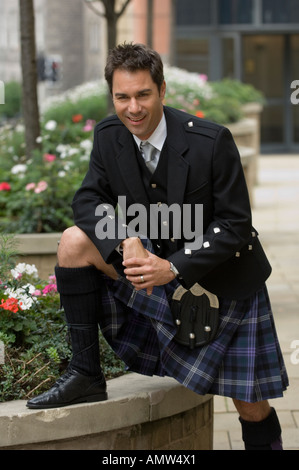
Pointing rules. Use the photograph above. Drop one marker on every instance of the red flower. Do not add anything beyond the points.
(5, 186)
(10, 304)
(200, 114)
(77, 118)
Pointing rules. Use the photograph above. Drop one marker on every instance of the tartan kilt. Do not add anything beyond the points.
(244, 361)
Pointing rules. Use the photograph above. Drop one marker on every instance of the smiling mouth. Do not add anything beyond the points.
(135, 119)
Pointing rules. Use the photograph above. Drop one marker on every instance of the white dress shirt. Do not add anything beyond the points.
(157, 138)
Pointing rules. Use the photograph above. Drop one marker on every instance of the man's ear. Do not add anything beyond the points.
(163, 90)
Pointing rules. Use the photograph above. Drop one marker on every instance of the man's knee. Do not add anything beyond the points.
(252, 411)
(72, 247)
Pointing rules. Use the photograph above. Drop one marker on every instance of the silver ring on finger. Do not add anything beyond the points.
(142, 278)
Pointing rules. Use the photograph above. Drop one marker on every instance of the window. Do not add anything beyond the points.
(193, 55)
(235, 11)
(278, 11)
(228, 57)
(193, 12)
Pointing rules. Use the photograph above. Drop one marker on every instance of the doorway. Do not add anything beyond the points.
(270, 62)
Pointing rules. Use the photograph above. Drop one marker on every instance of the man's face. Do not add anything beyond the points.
(137, 101)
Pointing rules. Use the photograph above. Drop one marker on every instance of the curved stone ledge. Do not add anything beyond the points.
(142, 413)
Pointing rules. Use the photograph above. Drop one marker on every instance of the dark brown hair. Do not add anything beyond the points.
(133, 57)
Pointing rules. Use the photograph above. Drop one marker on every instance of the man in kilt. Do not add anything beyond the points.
(118, 271)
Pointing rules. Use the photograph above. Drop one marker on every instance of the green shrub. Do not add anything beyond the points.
(13, 98)
(93, 107)
(242, 93)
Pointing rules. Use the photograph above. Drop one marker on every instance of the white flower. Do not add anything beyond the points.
(19, 128)
(24, 268)
(39, 139)
(20, 168)
(51, 125)
(61, 148)
(24, 295)
(72, 151)
(86, 144)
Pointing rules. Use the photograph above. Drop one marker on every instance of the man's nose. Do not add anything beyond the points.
(134, 106)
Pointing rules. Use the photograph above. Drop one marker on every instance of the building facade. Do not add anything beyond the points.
(255, 41)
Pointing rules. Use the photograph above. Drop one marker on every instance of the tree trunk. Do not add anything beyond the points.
(149, 25)
(29, 75)
(112, 16)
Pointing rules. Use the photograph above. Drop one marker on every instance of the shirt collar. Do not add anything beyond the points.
(158, 137)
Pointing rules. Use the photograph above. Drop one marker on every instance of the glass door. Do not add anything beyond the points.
(271, 63)
(263, 67)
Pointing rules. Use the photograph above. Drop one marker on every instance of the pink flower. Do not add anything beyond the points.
(50, 288)
(41, 186)
(89, 125)
(5, 186)
(37, 293)
(48, 157)
(30, 186)
(203, 77)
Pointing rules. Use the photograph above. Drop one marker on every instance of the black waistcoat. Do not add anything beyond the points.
(156, 188)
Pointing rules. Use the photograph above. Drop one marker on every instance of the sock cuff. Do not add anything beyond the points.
(76, 281)
(261, 432)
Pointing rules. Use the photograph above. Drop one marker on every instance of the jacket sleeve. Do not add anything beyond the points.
(230, 225)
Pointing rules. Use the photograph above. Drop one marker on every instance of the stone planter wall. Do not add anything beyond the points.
(39, 249)
(142, 413)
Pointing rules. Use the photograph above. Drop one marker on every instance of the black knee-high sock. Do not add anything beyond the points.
(79, 290)
(262, 435)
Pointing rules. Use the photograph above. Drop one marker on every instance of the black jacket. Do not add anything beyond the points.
(204, 167)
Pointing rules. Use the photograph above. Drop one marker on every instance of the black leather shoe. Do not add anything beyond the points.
(70, 389)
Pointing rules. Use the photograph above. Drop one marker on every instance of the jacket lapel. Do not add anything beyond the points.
(178, 167)
(129, 168)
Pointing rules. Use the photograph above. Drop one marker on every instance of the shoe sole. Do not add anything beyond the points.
(90, 399)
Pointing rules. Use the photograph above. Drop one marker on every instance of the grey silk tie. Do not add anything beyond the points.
(149, 154)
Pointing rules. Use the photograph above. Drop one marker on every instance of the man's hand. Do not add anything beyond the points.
(142, 268)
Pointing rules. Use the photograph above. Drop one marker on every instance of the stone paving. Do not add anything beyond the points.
(276, 218)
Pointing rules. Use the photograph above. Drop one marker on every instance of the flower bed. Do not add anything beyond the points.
(33, 330)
